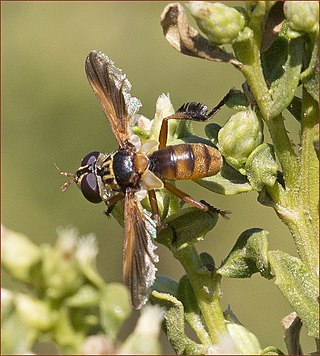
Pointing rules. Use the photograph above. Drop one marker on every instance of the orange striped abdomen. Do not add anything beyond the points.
(185, 161)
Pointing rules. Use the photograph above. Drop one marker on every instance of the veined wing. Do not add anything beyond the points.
(139, 257)
(113, 92)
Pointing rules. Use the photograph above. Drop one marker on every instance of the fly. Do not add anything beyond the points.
(131, 170)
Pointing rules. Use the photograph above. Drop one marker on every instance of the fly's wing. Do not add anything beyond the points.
(113, 92)
(139, 257)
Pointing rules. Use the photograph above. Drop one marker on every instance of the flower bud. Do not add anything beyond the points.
(246, 343)
(98, 345)
(7, 300)
(219, 22)
(261, 167)
(164, 108)
(61, 270)
(302, 15)
(19, 254)
(34, 312)
(145, 337)
(242, 133)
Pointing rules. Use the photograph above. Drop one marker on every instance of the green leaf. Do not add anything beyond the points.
(186, 227)
(248, 256)
(271, 350)
(35, 313)
(164, 284)
(284, 73)
(192, 311)
(174, 325)
(16, 337)
(227, 182)
(245, 342)
(299, 287)
(115, 308)
(207, 261)
(212, 131)
(261, 167)
(85, 297)
(65, 336)
(237, 101)
(283, 89)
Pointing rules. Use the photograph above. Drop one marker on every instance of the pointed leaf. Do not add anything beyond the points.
(164, 284)
(227, 182)
(192, 312)
(186, 227)
(174, 325)
(261, 167)
(283, 74)
(298, 286)
(248, 256)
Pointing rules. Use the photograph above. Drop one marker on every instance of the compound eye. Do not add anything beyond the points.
(90, 158)
(90, 189)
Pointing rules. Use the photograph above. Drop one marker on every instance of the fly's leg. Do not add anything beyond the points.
(201, 205)
(186, 198)
(112, 202)
(190, 111)
(154, 207)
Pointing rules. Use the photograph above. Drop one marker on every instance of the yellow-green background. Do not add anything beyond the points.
(50, 113)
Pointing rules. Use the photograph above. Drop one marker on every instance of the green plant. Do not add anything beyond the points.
(63, 299)
(274, 45)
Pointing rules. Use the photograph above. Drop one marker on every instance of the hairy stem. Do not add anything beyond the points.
(309, 177)
(207, 291)
(286, 156)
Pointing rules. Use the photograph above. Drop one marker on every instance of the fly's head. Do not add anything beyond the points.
(89, 178)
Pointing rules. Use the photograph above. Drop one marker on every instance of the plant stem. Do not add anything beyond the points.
(207, 291)
(309, 176)
(247, 51)
(286, 157)
(297, 205)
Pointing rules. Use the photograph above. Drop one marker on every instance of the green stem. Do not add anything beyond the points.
(309, 171)
(297, 204)
(307, 248)
(207, 291)
(286, 156)
(309, 177)
(247, 51)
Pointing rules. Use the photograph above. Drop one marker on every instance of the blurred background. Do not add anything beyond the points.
(49, 113)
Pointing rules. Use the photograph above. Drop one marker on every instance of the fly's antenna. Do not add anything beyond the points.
(67, 184)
